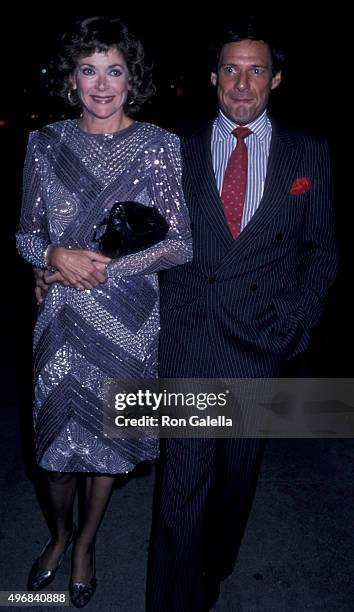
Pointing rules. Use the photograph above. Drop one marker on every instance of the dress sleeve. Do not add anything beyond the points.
(32, 238)
(163, 162)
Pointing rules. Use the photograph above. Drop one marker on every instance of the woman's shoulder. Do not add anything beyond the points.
(52, 131)
(156, 133)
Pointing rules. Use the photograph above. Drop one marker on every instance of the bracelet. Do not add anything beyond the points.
(46, 256)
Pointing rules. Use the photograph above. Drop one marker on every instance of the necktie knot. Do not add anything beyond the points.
(241, 132)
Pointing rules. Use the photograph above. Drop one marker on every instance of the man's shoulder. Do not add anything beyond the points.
(196, 136)
(298, 136)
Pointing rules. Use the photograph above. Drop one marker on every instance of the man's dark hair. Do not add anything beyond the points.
(248, 28)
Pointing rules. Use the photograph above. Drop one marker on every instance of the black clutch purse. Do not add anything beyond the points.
(130, 227)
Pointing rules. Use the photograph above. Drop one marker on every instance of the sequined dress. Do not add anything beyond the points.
(82, 338)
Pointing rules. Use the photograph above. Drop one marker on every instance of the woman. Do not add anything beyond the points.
(99, 318)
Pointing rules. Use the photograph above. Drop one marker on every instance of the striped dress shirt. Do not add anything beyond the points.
(223, 143)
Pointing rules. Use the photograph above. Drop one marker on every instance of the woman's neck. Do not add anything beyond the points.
(96, 125)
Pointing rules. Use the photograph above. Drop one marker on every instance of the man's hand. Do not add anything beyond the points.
(41, 285)
(43, 279)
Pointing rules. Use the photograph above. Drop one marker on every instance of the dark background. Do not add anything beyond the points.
(178, 43)
(315, 476)
(306, 489)
(313, 96)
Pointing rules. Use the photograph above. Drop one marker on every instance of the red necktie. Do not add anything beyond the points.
(235, 182)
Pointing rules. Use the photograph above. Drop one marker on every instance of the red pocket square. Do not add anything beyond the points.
(300, 185)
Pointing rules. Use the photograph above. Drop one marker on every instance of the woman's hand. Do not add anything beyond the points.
(78, 268)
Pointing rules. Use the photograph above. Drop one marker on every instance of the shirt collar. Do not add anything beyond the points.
(223, 126)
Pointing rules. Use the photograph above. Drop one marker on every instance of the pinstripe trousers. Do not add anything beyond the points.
(204, 495)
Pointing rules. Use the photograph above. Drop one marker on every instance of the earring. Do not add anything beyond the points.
(131, 101)
(70, 94)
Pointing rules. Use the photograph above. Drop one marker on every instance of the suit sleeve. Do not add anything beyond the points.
(319, 258)
(318, 261)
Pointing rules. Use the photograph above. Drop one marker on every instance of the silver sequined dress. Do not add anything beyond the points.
(82, 338)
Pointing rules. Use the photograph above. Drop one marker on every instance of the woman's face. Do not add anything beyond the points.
(102, 84)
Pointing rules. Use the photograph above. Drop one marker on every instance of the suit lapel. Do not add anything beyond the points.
(283, 160)
(200, 167)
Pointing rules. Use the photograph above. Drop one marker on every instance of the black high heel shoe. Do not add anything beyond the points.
(81, 592)
(40, 577)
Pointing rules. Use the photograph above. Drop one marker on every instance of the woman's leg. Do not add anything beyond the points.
(98, 490)
(60, 494)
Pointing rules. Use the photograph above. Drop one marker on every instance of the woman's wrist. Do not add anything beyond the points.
(47, 256)
(48, 253)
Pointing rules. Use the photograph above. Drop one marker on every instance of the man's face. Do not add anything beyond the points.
(244, 80)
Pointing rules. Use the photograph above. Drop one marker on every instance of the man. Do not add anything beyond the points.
(264, 258)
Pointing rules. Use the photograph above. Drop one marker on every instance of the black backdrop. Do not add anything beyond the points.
(314, 95)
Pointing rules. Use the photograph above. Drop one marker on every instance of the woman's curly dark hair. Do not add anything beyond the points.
(101, 34)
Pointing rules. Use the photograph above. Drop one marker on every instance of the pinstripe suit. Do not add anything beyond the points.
(242, 308)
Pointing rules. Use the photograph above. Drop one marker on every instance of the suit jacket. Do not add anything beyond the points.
(243, 307)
